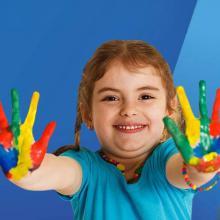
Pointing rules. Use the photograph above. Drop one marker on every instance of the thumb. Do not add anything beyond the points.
(39, 148)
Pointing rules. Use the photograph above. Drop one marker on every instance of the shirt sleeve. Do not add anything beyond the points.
(163, 152)
(161, 155)
(82, 157)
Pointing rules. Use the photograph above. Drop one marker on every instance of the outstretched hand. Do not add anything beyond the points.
(19, 153)
(200, 146)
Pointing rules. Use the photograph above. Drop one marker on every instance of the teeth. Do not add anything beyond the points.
(130, 127)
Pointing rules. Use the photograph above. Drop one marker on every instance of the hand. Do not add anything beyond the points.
(19, 153)
(200, 146)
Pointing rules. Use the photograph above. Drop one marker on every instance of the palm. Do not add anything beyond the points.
(19, 153)
(200, 146)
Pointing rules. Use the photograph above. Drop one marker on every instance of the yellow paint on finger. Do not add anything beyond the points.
(19, 172)
(25, 141)
(192, 123)
(210, 156)
(24, 160)
(194, 161)
(30, 119)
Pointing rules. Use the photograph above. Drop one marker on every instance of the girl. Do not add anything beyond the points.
(125, 92)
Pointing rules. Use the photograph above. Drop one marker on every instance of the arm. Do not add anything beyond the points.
(61, 173)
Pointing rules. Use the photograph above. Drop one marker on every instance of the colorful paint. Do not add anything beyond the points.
(200, 145)
(19, 153)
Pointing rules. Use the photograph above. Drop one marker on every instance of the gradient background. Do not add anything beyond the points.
(45, 44)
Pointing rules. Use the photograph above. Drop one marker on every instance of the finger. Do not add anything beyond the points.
(24, 159)
(39, 148)
(3, 119)
(18, 172)
(26, 132)
(6, 136)
(6, 139)
(44, 139)
(179, 138)
(205, 138)
(184, 102)
(215, 121)
(15, 115)
(202, 100)
(192, 123)
(8, 158)
(216, 107)
(30, 118)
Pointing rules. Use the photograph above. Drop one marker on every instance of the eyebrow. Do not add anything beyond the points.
(104, 89)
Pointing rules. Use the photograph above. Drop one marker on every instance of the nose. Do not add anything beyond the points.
(128, 109)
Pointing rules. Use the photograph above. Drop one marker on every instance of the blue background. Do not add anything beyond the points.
(44, 46)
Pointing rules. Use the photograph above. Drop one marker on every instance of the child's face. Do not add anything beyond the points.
(123, 98)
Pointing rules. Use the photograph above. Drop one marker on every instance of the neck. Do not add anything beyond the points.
(129, 163)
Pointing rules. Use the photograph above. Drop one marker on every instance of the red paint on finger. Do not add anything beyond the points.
(6, 135)
(39, 148)
(6, 138)
(208, 166)
(3, 119)
(8, 175)
(215, 121)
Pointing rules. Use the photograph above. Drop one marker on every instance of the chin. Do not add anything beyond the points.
(131, 150)
(131, 154)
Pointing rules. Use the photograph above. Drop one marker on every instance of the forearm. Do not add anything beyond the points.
(54, 173)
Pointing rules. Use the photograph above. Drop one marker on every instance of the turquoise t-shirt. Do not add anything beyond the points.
(104, 193)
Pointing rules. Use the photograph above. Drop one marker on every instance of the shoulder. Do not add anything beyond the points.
(82, 153)
(161, 154)
(166, 149)
(87, 158)
(166, 163)
(83, 156)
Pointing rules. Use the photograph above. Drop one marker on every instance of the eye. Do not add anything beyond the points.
(146, 97)
(110, 98)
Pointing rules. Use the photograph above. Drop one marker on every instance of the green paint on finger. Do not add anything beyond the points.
(205, 138)
(180, 139)
(15, 124)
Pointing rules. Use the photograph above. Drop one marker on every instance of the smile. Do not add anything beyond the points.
(130, 128)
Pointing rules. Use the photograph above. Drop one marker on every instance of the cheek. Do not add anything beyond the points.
(157, 118)
(102, 117)
(157, 113)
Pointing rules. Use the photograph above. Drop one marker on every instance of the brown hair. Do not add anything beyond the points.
(132, 54)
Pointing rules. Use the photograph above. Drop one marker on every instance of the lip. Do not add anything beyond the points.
(130, 131)
(130, 124)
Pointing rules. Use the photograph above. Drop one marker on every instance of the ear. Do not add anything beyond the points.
(174, 105)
